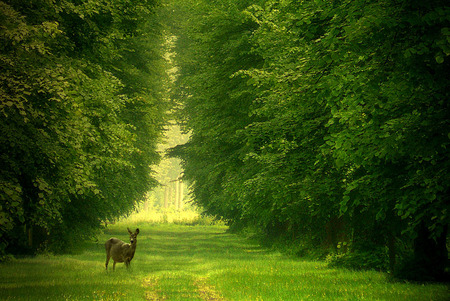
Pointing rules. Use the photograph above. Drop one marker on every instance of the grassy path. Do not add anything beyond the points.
(195, 263)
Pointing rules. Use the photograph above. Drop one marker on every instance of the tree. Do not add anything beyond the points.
(306, 113)
(82, 114)
(212, 102)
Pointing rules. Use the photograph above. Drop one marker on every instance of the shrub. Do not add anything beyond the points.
(360, 260)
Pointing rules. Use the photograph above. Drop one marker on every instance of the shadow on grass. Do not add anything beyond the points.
(189, 249)
(173, 258)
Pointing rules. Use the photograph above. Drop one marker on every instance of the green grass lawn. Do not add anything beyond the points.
(175, 262)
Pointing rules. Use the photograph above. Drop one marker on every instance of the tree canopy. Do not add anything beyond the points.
(82, 110)
(321, 125)
(321, 122)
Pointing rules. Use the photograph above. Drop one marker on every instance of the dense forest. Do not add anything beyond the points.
(83, 105)
(321, 126)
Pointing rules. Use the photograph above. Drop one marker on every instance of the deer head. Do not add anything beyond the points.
(133, 235)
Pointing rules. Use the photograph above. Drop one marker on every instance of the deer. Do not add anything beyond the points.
(121, 251)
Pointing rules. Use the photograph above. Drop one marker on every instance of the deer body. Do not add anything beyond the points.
(120, 251)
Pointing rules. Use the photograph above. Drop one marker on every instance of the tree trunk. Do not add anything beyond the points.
(180, 195)
(430, 255)
(392, 252)
(177, 195)
(29, 230)
(166, 197)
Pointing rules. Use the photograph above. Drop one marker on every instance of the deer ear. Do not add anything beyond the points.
(137, 231)
(129, 231)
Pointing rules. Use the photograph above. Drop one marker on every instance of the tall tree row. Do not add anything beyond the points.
(81, 113)
(323, 124)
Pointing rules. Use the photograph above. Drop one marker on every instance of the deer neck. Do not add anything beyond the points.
(132, 248)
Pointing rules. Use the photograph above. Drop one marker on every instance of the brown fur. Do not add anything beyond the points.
(120, 251)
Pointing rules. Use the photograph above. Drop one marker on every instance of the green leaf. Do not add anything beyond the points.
(345, 199)
(439, 59)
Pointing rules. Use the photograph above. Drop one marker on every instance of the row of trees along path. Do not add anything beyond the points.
(83, 104)
(321, 125)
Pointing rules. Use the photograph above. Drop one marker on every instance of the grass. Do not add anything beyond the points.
(165, 216)
(178, 262)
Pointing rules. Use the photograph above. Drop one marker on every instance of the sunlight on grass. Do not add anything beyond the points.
(187, 216)
(176, 262)
(162, 216)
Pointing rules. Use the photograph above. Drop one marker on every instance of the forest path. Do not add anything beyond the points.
(183, 258)
(195, 263)
(207, 263)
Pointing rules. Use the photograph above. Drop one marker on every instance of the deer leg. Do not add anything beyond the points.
(107, 260)
(108, 253)
(114, 265)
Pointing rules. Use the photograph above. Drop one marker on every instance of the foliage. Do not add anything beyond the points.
(357, 257)
(81, 115)
(168, 170)
(303, 112)
(365, 260)
(214, 102)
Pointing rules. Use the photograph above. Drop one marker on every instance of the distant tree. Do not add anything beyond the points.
(213, 103)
